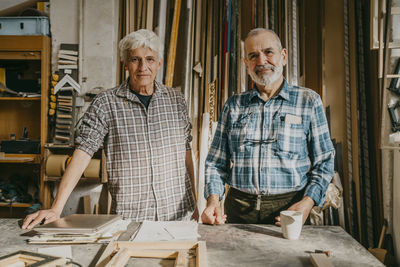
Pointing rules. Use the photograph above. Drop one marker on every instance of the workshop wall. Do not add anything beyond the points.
(93, 24)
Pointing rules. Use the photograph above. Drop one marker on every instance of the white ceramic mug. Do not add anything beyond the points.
(291, 224)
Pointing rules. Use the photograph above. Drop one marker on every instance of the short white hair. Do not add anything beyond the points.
(258, 31)
(140, 38)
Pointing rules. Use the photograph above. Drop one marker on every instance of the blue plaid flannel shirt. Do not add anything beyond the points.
(274, 147)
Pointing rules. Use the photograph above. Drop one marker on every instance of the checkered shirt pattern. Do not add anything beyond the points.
(145, 151)
(259, 149)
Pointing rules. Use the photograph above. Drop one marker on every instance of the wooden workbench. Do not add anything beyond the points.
(231, 245)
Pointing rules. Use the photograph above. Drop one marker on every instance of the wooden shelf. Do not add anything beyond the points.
(82, 179)
(16, 205)
(20, 158)
(21, 98)
(19, 55)
(17, 112)
(390, 147)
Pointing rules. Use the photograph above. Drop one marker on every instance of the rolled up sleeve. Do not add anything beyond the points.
(322, 155)
(93, 128)
(217, 164)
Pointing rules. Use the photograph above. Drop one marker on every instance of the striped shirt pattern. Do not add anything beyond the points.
(274, 147)
(145, 151)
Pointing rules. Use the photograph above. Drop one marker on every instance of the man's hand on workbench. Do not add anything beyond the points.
(213, 213)
(45, 216)
(305, 205)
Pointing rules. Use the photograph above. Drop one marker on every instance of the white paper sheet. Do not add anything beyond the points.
(151, 231)
(60, 251)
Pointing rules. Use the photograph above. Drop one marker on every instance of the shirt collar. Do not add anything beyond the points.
(124, 90)
(283, 92)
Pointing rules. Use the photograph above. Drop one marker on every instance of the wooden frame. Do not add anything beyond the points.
(32, 258)
(118, 253)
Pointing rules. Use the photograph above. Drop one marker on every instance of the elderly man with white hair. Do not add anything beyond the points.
(146, 132)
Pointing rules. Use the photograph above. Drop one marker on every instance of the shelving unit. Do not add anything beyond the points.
(30, 112)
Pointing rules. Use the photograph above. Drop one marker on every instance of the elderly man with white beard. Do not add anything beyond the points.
(272, 144)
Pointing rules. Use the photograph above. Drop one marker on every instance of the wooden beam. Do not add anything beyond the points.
(181, 259)
(169, 77)
(86, 205)
(201, 254)
(120, 259)
(320, 260)
(149, 16)
(157, 245)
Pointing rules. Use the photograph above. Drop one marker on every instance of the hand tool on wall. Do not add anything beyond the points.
(395, 82)
(394, 111)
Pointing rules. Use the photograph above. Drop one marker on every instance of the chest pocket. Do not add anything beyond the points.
(238, 131)
(292, 138)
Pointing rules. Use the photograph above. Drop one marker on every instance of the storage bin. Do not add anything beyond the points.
(24, 26)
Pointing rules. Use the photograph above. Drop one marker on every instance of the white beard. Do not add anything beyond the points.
(267, 78)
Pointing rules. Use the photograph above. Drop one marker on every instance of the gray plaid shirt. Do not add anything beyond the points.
(145, 151)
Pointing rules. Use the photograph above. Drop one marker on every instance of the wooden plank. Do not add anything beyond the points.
(22, 55)
(149, 16)
(164, 250)
(23, 42)
(133, 26)
(220, 54)
(104, 176)
(203, 57)
(86, 205)
(394, 45)
(44, 104)
(196, 82)
(395, 10)
(120, 259)
(188, 59)
(382, 21)
(374, 24)
(157, 245)
(393, 76)
(181, 259)
(396, 203)
(139, 13)
(239, 51)
(204, 136)
(152, 253)
(226, 78)
(201, 254)
(160, 30)
(144, 14)
(354, 120)
(320, 260)
(208, 60)
(169, 76)
(266, 17)
(96, 208)
(106, 255)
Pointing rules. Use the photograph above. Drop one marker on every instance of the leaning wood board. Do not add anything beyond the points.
(396, 203)
(169, 76)
(320, 260)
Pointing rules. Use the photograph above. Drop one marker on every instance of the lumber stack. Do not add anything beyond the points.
(65, 91)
